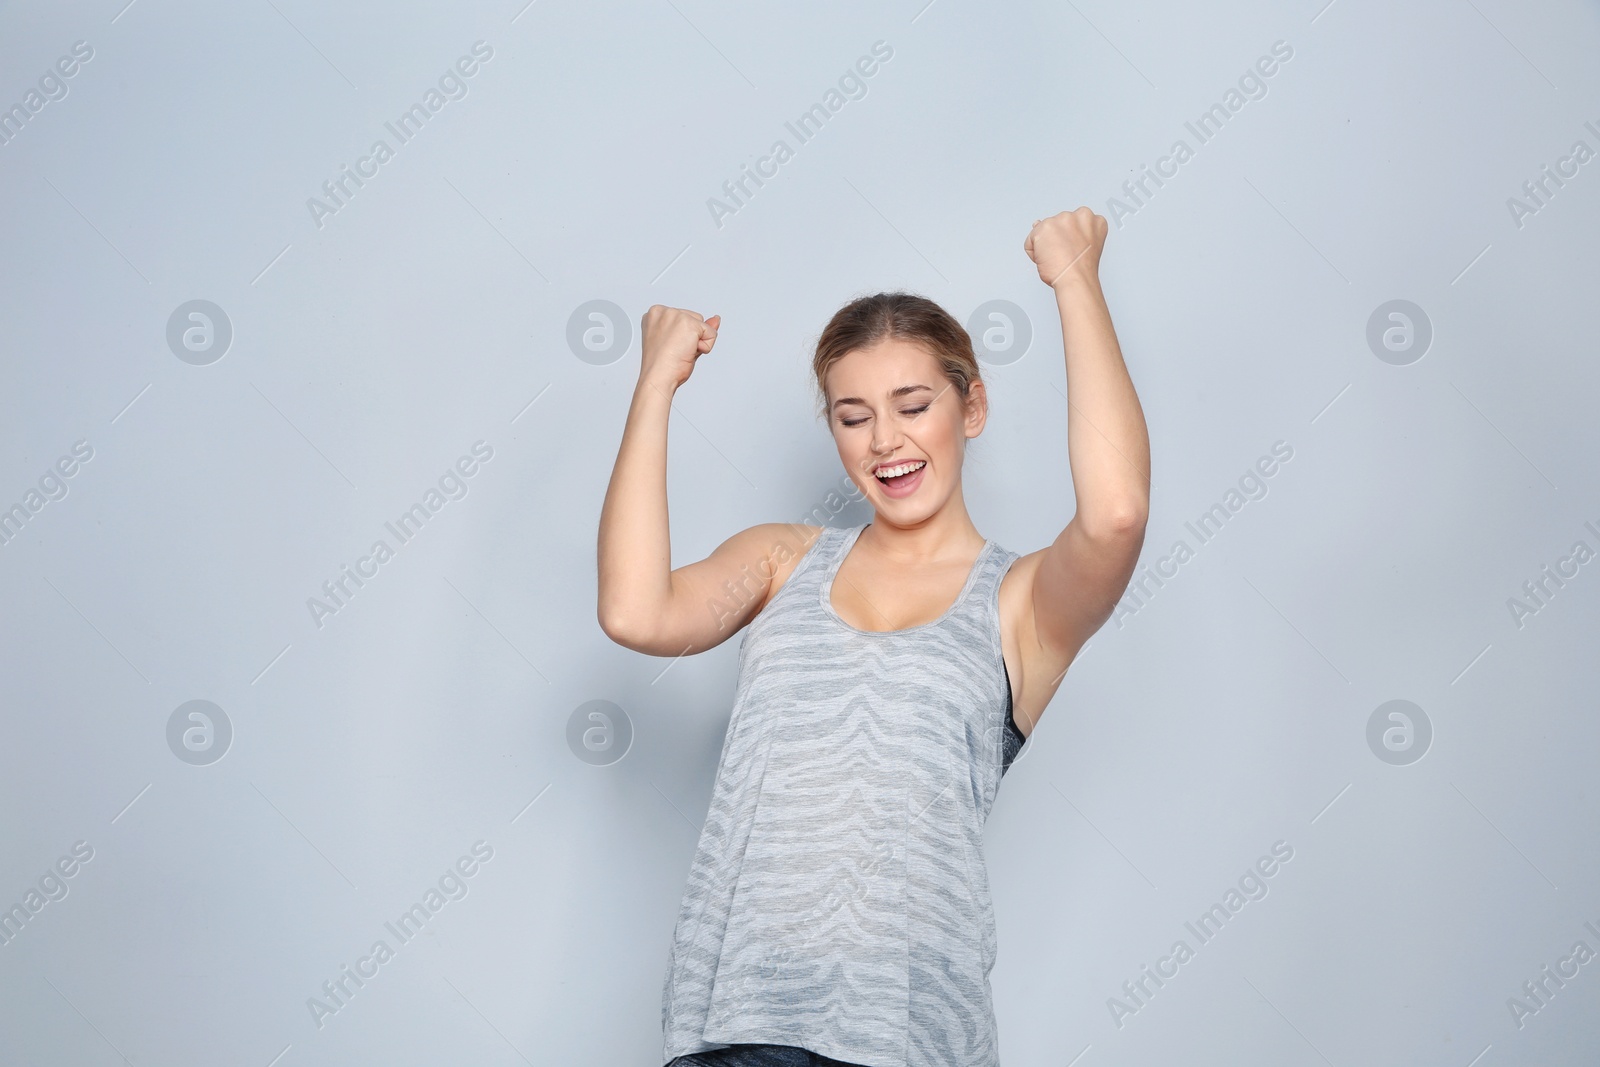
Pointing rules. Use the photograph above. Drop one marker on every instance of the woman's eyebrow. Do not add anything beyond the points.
(895, 395)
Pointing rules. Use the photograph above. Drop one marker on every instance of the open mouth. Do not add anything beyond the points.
(901, 475)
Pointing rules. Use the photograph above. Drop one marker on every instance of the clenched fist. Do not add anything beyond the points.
(671, 340)
(1067, 246)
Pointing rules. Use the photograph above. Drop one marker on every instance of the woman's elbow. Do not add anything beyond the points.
(621, 628)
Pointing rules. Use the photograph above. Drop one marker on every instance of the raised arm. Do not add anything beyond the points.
(1080, 577)
(643, 603)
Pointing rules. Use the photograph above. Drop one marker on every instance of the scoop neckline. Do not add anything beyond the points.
(825, 594)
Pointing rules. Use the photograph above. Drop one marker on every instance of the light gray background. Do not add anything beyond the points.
(1227, 713)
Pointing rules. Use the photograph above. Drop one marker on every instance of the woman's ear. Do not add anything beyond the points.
(977, 413)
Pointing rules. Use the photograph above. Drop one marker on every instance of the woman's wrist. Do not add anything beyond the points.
(1074, 282)
(650, 388)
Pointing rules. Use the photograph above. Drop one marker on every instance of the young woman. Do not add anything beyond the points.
(837, 911)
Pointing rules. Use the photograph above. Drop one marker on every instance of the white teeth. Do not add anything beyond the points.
(899, 469)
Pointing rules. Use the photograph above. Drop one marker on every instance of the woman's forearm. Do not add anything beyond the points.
(635, 549)
(1107, 442)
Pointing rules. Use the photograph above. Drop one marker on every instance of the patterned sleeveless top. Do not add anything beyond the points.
(839, 897)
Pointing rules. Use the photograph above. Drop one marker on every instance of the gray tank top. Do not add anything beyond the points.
(839, 898)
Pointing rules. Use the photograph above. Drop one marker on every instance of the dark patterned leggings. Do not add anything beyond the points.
(758, 1056)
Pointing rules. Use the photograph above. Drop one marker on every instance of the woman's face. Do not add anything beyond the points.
(891, 404)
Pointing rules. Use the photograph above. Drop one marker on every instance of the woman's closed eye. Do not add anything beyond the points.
(909, 412)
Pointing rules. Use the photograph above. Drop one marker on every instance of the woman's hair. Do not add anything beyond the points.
(866, 321)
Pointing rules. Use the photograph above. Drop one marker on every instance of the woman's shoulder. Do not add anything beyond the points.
(777, 544)
(782, 546)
